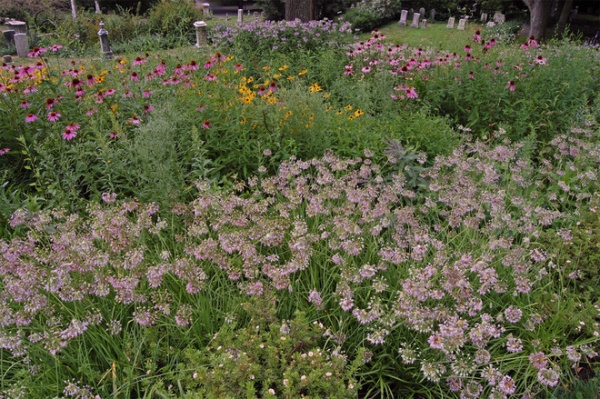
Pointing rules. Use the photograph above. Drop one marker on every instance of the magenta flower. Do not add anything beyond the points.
(36, 51)
(31, 118)
(55, 47)
(69, 134)
(134, 77)
(50, 102)
(540, 60)
(349, 70)
(134, 120)
(366, 69)
(239, 67)
(262, 90)
(25, 104)
(53, 116)
(139, 61)
(148, 108)
(471, 75)
(468, 49)
(200, 107)
(206, 124)
(4, 151)
(477, 37)
(273, 87)
(208, 64)
(210, 77)
(113, 135)
(146, 93)
(91, 111)
(192, 65)
(511, 85)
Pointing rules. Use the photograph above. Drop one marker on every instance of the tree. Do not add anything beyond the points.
(539, 14)
(301, 9)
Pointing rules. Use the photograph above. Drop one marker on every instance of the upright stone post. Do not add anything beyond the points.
(415, 20)
(422, 11)
(201, 34)
(403, 15)
(240, 15)
(450, 23)
(424, 24)
(104, 43)
(461, 24)
(432, 15)
(9, 35)
(484, 17)
(21, 44)
(206, 9)
(97, 6)
(17, 26)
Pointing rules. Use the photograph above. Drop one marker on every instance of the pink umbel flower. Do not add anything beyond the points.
(53, 116)
(31, 118)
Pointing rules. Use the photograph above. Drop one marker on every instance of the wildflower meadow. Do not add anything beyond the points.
(298, 211)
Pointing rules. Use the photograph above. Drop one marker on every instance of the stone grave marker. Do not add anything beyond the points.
(17, 26)
(9, 35)
(462, 24)
(450, 23)
(484, 17)
(432, 14)
(403, 15)
(424, 23)
(201, 34)
(22, 44)
(415, 20)
(422, 11)
(240, 18)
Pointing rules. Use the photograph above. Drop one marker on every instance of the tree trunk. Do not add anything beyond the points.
(539, 13)
(301, 9)
(564, 17)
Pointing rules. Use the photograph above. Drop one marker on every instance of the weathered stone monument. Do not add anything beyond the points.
(432, 14)
(403, 15)
(22, 44)
(206, 9)
(415, 20)
(201, 33)
(484, 17)
(462, 23)
(105, 49)
(240, 18)
(422, 11)
(450, 23)
(499, 18)
(9, 36)
(424, 24)
(17, 26)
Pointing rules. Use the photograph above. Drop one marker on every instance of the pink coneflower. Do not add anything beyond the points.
(477, 37)
(366, 69)
(411, 92)
(511, 85)
(53, 116)
(25, 104)
(55, 47)
(192, 65)
(262, 90)
(127, 94)
(4, 151)
(200, 107)
(69, 134)
(206, 124)
(90, 80)
(91, 111)
(146, 94)
(79, 94)
(208, 64)
(36, 51)
(50, 102)
(540, 60)
(134, 77)
(210, 77)
(468, 49)
(75, 83)
(532, 42)
(273, 87)
(178, 69)
(73, 126)
(113, 135)
(110, 92)
(31, 118)
(139, 61)
(349, 70)
(471, 75)
(134, 120)
(148, 108)
(239, 67)
(524, 46)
